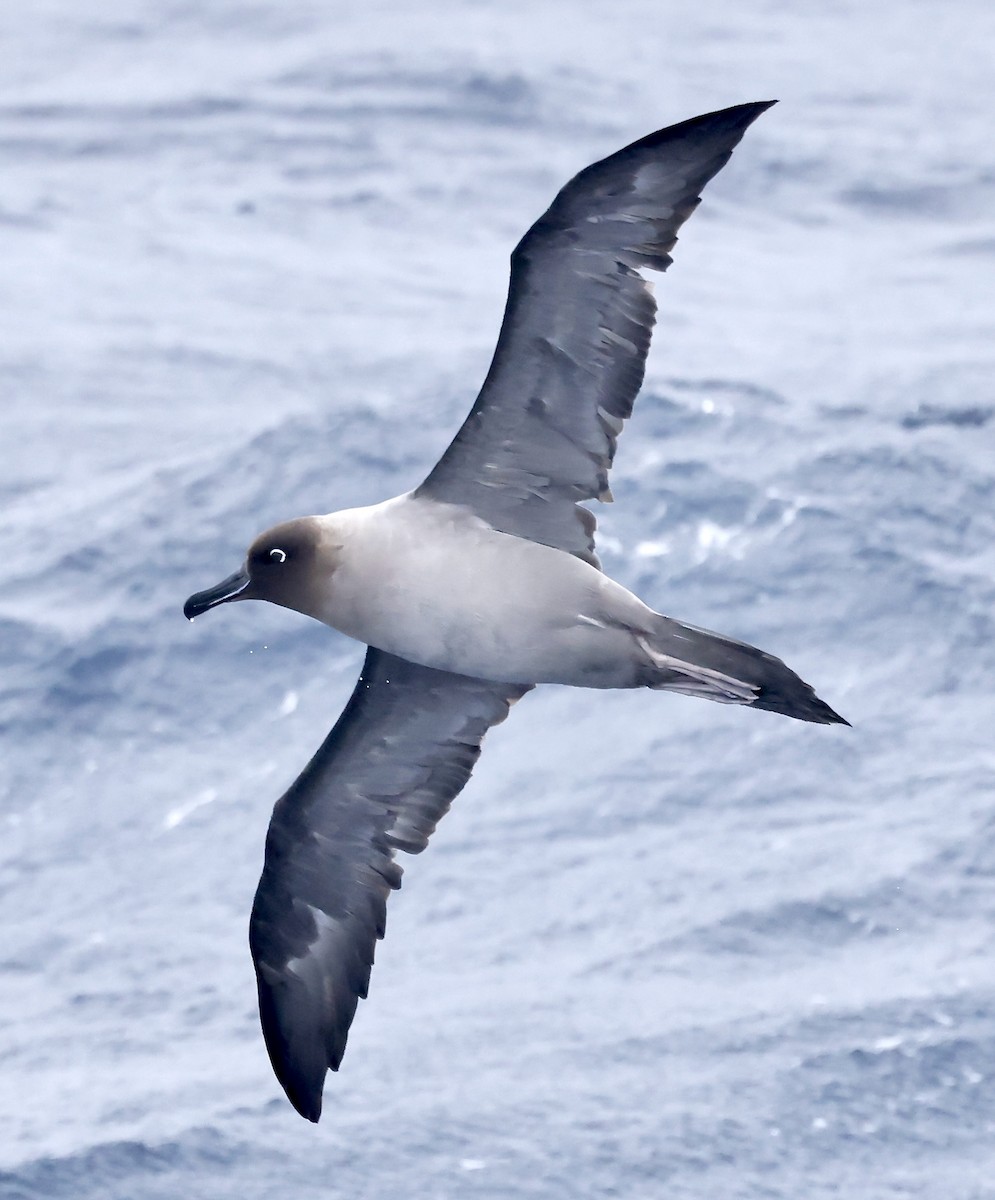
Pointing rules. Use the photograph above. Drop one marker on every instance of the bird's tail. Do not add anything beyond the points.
(697, 662)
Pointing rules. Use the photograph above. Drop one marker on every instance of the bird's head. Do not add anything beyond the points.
(281, 566)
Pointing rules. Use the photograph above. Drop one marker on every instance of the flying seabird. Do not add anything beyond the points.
(478, 585)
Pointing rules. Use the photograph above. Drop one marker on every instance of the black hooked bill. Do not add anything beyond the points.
(228, 589)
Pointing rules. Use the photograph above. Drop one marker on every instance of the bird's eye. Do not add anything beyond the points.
(278, 555)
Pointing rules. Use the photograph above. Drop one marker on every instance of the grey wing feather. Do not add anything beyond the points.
(386, 774)
(572, 349)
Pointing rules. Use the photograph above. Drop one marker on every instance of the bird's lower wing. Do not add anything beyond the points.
(386, 774)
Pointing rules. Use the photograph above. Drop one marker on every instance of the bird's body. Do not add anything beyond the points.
(478, 585)
(454, 594)
(434, 584)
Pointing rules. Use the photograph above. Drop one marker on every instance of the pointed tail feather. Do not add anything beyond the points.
(701, 663)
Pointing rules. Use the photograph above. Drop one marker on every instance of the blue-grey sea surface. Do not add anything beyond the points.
(254, 258)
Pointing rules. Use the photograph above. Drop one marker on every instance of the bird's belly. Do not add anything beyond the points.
(491, 606)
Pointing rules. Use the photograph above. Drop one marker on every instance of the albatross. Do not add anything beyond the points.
(478, 585)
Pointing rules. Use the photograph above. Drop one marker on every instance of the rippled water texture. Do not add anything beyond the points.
(254, 260)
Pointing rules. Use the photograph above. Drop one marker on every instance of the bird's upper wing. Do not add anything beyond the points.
(383, 778)
(572, 349)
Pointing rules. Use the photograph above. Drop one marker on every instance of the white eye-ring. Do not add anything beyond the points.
(278, 555)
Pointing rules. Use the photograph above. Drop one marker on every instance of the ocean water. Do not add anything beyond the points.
(254, 261)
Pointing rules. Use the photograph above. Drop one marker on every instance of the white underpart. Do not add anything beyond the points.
(435, 584)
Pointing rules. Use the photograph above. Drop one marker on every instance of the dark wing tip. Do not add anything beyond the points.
(299, 1067)
(308, 1104)
(735, 120)
(630, 205)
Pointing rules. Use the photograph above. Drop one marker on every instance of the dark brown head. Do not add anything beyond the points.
(282, 566)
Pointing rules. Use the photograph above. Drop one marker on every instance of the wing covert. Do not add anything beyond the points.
(386, 774)
(571, 353)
